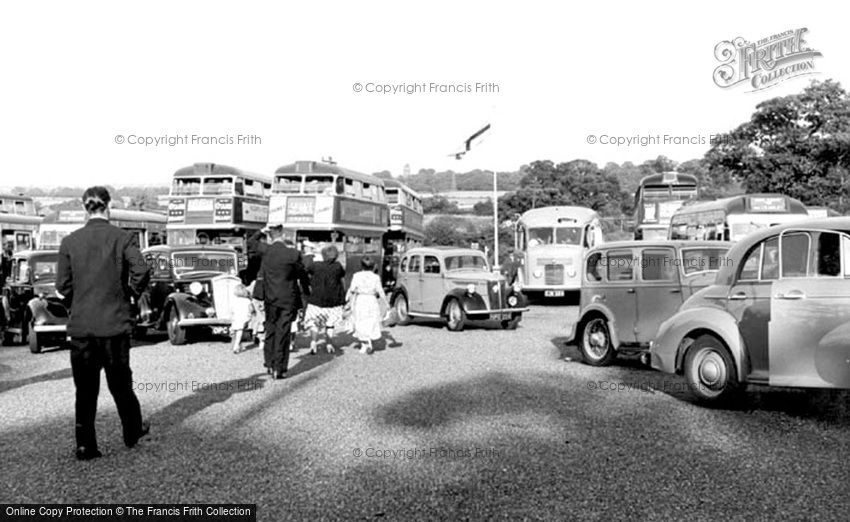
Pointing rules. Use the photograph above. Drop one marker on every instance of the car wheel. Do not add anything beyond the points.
(32, 339)
(455, 316)
(176, 334)
(710, 370)
(401, 309)
(596, 346)
(512, 323)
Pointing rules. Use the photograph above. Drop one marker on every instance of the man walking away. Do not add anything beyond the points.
(100, 268)
(281, 272)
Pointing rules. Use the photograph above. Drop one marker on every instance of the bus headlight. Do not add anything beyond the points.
(571, 273)
(538, 273)
(196, 288)
(470, 288)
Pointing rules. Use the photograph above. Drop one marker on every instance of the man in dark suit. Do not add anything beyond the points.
(281, 272)
(100, 268)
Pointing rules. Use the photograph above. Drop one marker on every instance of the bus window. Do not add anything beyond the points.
(393, 196)
(349, 188)
(539, 236)
(186, 186)
(218, 185)
(368, 193)
(254, 188)
(318, 185)
(568, 236)
(288, 184)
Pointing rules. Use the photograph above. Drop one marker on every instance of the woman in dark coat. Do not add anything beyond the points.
(327, 297)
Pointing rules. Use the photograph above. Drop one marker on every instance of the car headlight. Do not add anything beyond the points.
(512, 300)
(516, 287)
(196, 288)
(538, 273)
(470, 288)
(210, 312)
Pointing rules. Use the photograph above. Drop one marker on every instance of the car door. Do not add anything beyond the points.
(413, 282)
(810, 311)
(620, 295)
(433, 289)
(748, 302)
(659, 292)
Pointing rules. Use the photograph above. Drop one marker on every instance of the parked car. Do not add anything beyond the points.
(32, 311)
(191, 287)
(456, 285)
(778, 314)
(630, 287)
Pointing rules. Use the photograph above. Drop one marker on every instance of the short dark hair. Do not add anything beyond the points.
(96, 199)
(330, 253)
(367, 264)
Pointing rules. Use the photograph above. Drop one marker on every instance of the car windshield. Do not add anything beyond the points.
(703, 259)
(466, 262)
(554, 236)
(204, 262)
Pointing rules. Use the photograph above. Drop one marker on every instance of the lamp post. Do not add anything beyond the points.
(467, 146)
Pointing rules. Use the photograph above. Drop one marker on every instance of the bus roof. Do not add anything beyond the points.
(739, 205)
(19, 219)
(668, 178)
(118, 214)
(551, 215)
(215, 169)
(9, 195)
(393, 183)
(319, 167)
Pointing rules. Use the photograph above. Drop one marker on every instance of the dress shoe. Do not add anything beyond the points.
(145, 429)
(278, 375)
(84, 453)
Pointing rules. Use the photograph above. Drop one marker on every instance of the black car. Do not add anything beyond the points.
(32, 311)
(191, 287)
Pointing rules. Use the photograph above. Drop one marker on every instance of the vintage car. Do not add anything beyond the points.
(191, 287)
(630, 287)
(778, 314)
(454, 284)
(32, 311)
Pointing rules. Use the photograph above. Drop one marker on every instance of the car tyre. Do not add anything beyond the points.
(32, 340)
(595, 342)
(402, 310)
(176, 334)
(710, 371)
(455, 316)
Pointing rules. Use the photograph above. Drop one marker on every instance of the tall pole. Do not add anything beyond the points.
(495, 223)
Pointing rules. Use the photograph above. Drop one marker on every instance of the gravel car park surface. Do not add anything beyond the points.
(484, 423)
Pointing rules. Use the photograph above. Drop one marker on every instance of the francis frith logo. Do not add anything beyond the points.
(765, 63)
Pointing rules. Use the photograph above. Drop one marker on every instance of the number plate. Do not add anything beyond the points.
(553, 293)
(503, 317)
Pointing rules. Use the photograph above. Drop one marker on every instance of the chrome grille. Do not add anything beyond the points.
(554, 274)
(223, 295)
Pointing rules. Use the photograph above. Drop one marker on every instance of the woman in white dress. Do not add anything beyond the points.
(366, 297)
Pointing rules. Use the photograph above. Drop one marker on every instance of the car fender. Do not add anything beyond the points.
(397, 291)
(45, 311)
(471, 303)
(597, 309)
(676, 334)
(179, 301)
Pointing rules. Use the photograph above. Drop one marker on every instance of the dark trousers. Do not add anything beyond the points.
(88, 356)
(278, 332)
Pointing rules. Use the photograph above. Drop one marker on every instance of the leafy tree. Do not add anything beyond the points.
(483, 208)
(797, 145)
(439, 205)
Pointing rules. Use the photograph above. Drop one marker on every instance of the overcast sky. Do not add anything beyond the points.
(76, 77)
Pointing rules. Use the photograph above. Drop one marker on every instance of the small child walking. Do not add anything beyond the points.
(243, 311)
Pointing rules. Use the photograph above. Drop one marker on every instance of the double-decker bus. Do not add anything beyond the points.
(216, 204)
(551, 242)
(730, 219)
(658, 197)
(406, 226)
(321, 203)
(18, 222)
(149, 227)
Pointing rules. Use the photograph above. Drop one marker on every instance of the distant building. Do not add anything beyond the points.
(466, 199)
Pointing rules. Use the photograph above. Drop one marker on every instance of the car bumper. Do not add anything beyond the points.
(203, 321)
(498, 311)
(49, 328)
